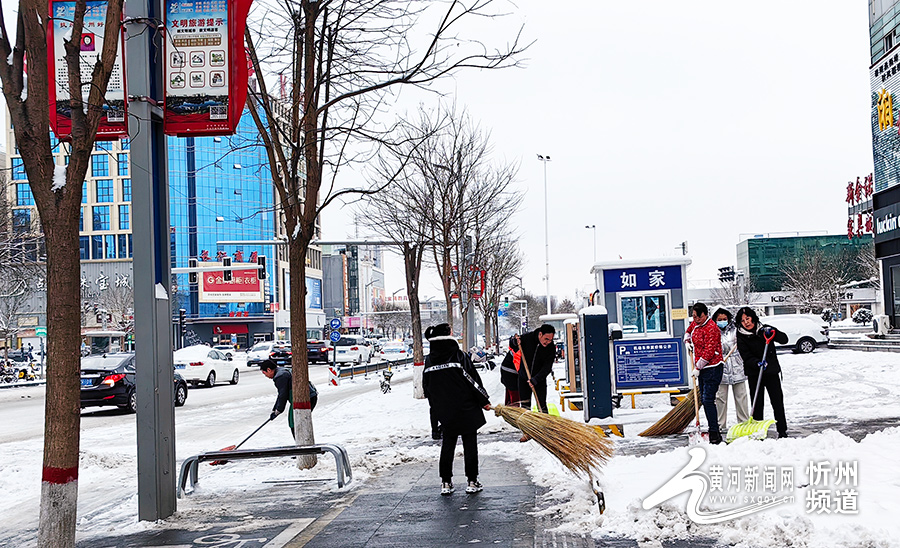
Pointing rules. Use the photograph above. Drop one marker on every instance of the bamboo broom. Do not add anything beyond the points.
(676, 420)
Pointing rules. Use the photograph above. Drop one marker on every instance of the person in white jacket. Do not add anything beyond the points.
(733, 374)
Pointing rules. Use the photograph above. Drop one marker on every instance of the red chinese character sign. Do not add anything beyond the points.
(244, 287)
(859, 202)
(113, 124)
(206, 66)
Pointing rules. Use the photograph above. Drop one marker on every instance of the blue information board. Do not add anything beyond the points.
(649, 365)
(642, 279)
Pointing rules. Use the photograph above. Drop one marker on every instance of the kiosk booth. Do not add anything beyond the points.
(647, 299)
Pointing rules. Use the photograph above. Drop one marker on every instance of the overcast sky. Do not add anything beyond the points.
(673, 121)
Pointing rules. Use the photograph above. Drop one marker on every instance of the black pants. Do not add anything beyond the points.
(709, 380)
(540, 388)
(772, 384)
(470, 455)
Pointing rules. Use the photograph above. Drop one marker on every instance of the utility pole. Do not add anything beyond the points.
(544, 160)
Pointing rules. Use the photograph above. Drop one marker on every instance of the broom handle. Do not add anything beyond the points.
(694, 380)
(528, 372)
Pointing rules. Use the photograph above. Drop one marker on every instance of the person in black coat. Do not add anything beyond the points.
(457, 397)
(509, 372)
(750, 344)
(539, 353)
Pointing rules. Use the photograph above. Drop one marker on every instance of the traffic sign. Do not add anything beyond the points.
(502, 312)
(335, 335)
(335, 323)
(40, 331)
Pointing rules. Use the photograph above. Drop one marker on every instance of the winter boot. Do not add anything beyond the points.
(474, 486)
(446, 488)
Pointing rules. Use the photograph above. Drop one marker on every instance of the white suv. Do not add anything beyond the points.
(354, 349)
(804, 334)
(258, 353)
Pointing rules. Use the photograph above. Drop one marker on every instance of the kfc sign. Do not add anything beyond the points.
(244, 286)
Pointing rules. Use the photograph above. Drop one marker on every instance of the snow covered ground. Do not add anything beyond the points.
(841, 408)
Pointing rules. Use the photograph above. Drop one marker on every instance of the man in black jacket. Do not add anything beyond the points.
(538, 354)
(284, 382)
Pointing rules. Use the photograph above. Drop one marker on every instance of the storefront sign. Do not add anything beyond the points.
(313, 293)
(206, 66)
(648, 365)
(113, 123)
(245, 286)
(887, 225)
(642, 279)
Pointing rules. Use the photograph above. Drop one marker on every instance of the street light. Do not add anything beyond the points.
(544, 160)
(594, 228)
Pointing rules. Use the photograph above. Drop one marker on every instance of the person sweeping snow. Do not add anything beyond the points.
(456, 396)
(751, 341)
(732, 374)
(707, 342)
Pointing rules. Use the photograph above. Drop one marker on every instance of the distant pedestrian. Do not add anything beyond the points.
(706, 339)
(509, 372)
(732, 374)
(457, 397)
(284, 381)
(751, 342)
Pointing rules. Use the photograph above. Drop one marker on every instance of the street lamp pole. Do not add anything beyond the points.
(594, 228)
(544, 160)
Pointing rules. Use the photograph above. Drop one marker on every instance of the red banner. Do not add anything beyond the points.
(114, 123)
(244, 286)
(206, 66)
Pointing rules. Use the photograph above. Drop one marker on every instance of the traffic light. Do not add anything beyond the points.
(181, 319)
(261, 261)
(226, 262)
(192, 276)
(505, 302)
(726, 274)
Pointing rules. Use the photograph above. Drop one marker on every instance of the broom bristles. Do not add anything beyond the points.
(577, 446)
(676, 420)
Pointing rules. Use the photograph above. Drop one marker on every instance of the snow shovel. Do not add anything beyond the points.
(233, 447)
(751, 427)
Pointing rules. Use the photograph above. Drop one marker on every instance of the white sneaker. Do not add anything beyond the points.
(474, 487)
(446, 488)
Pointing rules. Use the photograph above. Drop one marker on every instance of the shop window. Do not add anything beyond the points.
(644, 314)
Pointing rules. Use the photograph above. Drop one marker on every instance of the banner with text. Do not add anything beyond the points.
(244, 287)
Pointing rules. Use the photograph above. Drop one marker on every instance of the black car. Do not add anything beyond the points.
(108, 379)
(281, 354)
(317, 351)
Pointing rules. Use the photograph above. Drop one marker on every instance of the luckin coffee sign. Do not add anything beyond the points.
(887, 222)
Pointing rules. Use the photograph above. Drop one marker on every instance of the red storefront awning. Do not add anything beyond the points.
(229, 328)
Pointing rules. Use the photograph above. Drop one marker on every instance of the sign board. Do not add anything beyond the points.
(245, 286)
(335, 336)
(679, 313)
(313, 293)
(502, 312)
(113, 123)
(206, 66)
(649, 365)
(40, 331)
(335, 323)
(642, 279)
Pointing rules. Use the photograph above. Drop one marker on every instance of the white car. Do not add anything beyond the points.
(227, 349)
(202, 364)
(354, 349)
(395, 351)
(258, 353)
(804, 334)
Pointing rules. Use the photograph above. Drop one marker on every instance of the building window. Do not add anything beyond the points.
(123, 164)
(23, 194)
(21, 220)
(110, 247)
(18, 170)
(100, 165)
(130, 248)
(123, 248)
(124, 217)
(888, 41)
(84, 192)
(104, 191)
(81, 220)
(125, 144)
(101, 217)
(85, 246)
(102, 146)
(96, 247)
(126, 190)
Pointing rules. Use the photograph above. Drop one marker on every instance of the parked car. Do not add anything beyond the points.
(318, 351)
(804, 334)
(353, 348)
(202, 364)
(228, 349)
(258, 353)
(395, 351)
(108, 379)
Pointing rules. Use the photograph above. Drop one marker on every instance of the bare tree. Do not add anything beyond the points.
(735, 293)
(503, 261)
(565, 307)
(118, 302)
(57, 194)
(815, 281)
(343, 60)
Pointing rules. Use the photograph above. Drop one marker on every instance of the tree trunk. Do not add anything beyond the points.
(62, 409)
(303, 426)
(412, 263)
